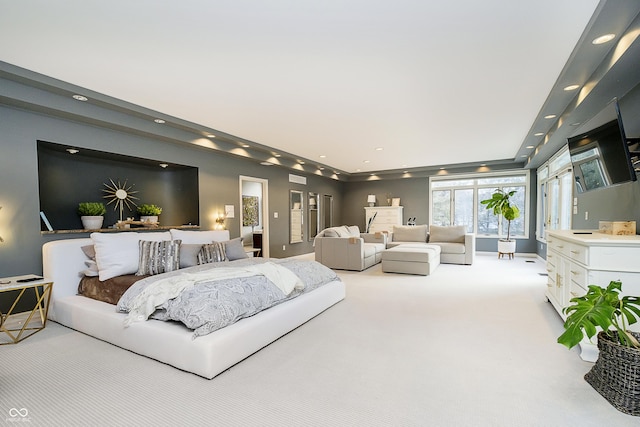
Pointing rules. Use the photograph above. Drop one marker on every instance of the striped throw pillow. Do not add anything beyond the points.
(158, 257)
(212, 252)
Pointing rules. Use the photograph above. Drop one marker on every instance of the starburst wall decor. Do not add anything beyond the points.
(120, 195)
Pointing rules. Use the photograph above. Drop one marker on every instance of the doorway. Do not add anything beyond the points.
(254, 214)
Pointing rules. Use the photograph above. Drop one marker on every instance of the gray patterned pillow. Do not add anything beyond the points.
(158, 257)
(212, 252)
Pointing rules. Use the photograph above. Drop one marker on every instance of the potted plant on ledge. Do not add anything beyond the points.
(615, 374)
(91, 214)
(149, 212)
(500, 204)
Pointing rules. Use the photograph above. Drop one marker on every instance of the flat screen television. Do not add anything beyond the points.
(599, 151)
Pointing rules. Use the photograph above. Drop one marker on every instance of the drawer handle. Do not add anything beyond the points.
(549, 256)
(575, 273)
(560, 246)
(575, 252)
(573, 294)
(549, 270)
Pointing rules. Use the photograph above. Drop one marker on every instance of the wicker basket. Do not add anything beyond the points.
(616, 374)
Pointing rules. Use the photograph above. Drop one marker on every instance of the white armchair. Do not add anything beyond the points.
(345, 248)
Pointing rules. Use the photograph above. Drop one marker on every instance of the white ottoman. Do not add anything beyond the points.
(411, 258)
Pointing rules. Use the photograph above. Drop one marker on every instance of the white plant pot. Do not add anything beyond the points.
(149, 218)
(92, 222)
(506, 246)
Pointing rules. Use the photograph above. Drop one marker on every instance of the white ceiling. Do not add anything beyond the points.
(429, 82)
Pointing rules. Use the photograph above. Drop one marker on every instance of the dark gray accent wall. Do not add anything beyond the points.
(21, 251)
(67, 179)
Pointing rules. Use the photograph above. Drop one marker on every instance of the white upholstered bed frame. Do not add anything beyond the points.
(171, 342)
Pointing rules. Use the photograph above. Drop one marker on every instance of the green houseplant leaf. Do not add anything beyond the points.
(601, 308)
(500, 204)
(149, 209)
(91, 209)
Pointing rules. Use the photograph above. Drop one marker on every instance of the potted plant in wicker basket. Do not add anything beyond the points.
(616, 373)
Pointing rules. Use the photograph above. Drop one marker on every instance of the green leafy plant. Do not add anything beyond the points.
(601, 308)
(500, 203)
(91, 209)
(149, 210)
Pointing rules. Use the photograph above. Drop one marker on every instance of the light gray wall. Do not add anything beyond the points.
(617, 203)
(20, 252)
(414, 197)
(620, 202)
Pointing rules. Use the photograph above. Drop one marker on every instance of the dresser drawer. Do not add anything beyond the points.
(576, 290)
(578, 275)
(578, 253)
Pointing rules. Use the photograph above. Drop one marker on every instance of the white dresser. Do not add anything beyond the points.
(386, 218)
(576, 260)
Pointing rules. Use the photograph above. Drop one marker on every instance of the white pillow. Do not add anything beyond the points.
(155, 236)
(116, 254)
(201, 237)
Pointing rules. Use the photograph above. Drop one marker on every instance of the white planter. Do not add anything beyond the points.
(506, 246)
(149, 218)
(92, 222)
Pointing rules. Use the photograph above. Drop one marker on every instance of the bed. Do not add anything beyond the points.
(171, 342)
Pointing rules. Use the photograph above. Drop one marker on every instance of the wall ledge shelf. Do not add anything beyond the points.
(116, 230)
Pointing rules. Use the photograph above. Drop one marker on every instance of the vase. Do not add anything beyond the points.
(90, 222)
(507, 247)
(149, 218)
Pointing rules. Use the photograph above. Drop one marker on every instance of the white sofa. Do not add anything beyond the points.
(457, 246)
(345, 248)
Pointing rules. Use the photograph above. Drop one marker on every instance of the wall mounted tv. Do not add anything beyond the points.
(600, 152)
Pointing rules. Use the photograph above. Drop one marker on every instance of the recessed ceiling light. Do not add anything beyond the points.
(301, 162)
(277, 155)
(72, 151)
(160, 121)
(245, 145)
(483, 164)
(321, 168)
(441, 169)
(538, 134)
(163, 165)
(523, 155)
(571, 87)
(550, 116)
(337, 173)
(211, 135)
(80, 98)
(358, 170)
(366, 161)
(266, 164)
(322, 156)
(603, 39)
(379, 149)
(405, 171)
(529, 147)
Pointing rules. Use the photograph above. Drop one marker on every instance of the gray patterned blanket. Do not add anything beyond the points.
(211, 302)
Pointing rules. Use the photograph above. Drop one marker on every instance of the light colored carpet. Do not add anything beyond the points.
(466, 346)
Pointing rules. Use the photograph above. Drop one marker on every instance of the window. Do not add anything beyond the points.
(455, 200)
(555, 193)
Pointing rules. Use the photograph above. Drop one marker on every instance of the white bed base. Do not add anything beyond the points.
(171, 342)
